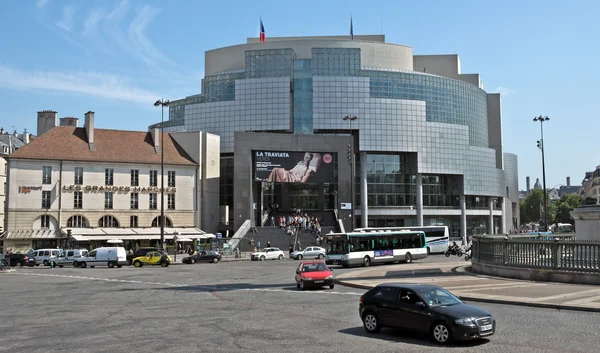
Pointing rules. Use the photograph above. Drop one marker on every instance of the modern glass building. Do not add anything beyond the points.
(388, 138)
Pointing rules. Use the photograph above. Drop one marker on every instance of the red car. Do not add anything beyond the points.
(314, 274)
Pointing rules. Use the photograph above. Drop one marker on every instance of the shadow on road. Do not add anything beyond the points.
(226, 287)
(409, 337)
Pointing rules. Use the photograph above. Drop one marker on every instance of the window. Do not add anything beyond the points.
(387, 293)
(171, 201)
(171, 178)
(133, 221)
(78, 199)
(134, 200)
(78, 175)
(108, 200)
(46, 175)
(135, 177)
(108, 222)
(153, 203)
(108, 176)
(92, 254)
(46, 195)
(153, 178)
(156, 223)
(45, 221)
(78, 222)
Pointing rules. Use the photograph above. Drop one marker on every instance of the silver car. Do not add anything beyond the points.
(312, 252)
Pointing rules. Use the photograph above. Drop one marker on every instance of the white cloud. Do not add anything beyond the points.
(146, 50)
(41, 3)
(90, 23)
(99, 85)
(505, 91)
(66, 22)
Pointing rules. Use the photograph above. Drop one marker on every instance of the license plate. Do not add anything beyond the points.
(319, 281)
(485, 328)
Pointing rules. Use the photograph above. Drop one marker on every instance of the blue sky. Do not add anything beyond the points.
(116, 57)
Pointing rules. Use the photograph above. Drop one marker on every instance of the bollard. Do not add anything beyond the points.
(51, 264)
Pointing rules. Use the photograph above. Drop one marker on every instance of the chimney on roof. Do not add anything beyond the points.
(25, 137)
(568, 181)
(155, 132)
(46, 120)
(69, 121)
(89, 129)
(528, 183)
(1, 131)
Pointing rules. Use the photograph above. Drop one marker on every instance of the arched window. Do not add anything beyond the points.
(108, 222)
(156, 222)
(78, 221)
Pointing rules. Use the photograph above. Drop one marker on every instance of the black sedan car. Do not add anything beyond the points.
(203, 256)
(19, 260)
(425, 308)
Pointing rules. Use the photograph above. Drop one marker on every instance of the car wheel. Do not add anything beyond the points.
(61, 266)
(119, 266)
(92, 266)
(193, 261)
(111, 265)
(164, 264)
(367, 261)
(215, 260)
(137, 264)
(371, 322)
(440, 332)
(262, 258)
(280, 257)
(19, 264)
(82, 265)
(302, 285)
(75, 264)
(428, 251)
(45, 262)
(299, 257)
(331, 286)
(128, 262)
(321, 256)
(408, 258)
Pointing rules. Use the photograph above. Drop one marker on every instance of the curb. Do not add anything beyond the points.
(492, 301)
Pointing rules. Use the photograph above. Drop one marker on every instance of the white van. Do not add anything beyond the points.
(43, 256)
(111, 257)
(68, 257)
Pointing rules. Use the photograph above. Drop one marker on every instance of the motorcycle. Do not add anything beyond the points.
(468, 254)
(451, 251)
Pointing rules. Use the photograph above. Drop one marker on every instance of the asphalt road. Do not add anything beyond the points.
(236, 306)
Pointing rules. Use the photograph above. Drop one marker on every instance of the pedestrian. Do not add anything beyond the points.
(268, 243)
(272, 221)
(258, 245)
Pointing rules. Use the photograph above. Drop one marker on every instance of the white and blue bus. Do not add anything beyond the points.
(366, 248)
(438, 237)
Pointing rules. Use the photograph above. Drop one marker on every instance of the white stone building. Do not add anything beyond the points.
(90, 185)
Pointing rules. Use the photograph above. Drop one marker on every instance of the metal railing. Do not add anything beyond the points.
(563, 253)
(234, 242)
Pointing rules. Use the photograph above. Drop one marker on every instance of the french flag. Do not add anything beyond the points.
(262, 31)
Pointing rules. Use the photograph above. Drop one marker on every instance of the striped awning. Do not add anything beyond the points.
(31, 234)
(102, 234)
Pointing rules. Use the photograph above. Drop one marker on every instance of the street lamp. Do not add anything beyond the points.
(175, 238)
(540, 145)
(162, 103)
(351, 118)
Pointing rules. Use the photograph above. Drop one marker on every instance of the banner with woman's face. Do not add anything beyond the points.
(294, 167)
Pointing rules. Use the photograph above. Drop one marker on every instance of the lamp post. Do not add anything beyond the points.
(162, 103)
(175, 238)
(351, 118)
(540, 145)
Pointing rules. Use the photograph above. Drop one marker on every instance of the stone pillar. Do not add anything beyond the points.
(491, 216)
(364, 200)
(419, 199)
(463, 218)
(502, 202)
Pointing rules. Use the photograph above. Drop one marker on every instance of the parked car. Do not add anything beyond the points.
(267, 254)
(19, 260)
(203, 256)
(312, 252)
(68, 257)
(426, 308)
(314, 274)
(110, 256)
(140, 252)
(43, 256)
(153, 258)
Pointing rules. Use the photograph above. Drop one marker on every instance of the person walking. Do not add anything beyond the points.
(258, 245)
(272, 221)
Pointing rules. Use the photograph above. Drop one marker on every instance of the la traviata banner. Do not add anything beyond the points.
(294, 167)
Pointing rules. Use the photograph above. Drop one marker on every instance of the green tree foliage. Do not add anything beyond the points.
(532, 206)
(564, 205)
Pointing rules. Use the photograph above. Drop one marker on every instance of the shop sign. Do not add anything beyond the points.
(109, 188)
(28, 189)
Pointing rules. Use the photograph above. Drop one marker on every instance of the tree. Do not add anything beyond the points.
(564, 206)
(532, 207)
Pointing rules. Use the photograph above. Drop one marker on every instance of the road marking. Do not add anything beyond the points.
(494, 286)
(105, 279)
(300, 291)
(568, 295)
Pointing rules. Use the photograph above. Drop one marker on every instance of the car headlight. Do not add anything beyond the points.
(329, 277)
(465, 322)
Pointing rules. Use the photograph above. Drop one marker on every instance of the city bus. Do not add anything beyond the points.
(366, 248)
(438, 237)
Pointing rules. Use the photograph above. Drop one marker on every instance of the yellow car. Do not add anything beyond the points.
(153, 258)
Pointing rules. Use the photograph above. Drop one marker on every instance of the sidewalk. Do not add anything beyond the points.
(471, 287)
